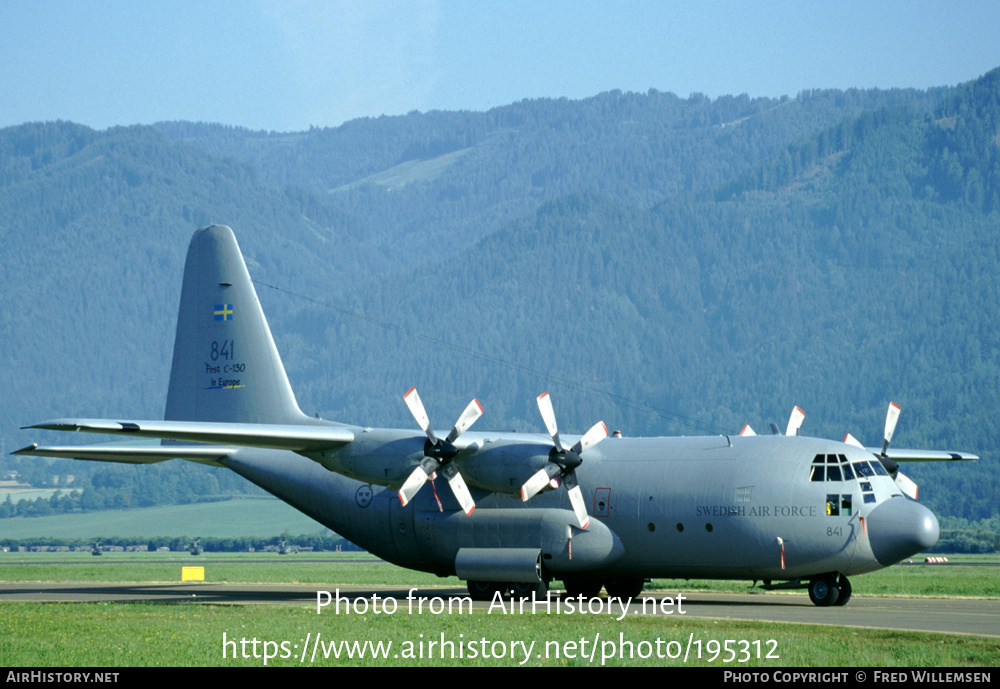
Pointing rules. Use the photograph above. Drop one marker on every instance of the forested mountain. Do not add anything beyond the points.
(669, 265)
(437, 182)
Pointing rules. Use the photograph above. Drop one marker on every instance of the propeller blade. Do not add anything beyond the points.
(417, 479)
(891, 417)
(595, 435)
(465, 421)
(795, 421)
(576, 500)
(906, 485)
(417, 409)
(851, 440)
(539, 481)
(549, 417)
(747, 431)
(458, 487)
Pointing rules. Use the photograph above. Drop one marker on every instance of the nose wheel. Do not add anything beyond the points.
(830, 589)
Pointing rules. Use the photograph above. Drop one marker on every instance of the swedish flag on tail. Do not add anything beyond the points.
(223, 312)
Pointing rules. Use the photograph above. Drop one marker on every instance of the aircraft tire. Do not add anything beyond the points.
(823, 590)
(585, 586)
(484, 590)
(525, 589)
(844, 586)
(624, 588)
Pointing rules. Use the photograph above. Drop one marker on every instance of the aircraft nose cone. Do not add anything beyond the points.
(899, 528)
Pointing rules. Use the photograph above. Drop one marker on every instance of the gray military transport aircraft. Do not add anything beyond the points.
(522, 509)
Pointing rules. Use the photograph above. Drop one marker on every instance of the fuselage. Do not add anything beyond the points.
(730, 507)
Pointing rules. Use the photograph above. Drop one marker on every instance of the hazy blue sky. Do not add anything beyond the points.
(286, 65)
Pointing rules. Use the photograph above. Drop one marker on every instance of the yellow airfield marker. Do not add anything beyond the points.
(192, 574)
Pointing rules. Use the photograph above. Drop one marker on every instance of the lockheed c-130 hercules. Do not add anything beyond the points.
(522, 509)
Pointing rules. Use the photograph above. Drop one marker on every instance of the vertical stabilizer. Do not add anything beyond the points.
(226, 367)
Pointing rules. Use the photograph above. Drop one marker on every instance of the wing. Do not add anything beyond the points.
(271, 436)
(131, 454)
(903, 455)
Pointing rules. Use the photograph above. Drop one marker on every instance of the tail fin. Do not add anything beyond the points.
(226, 367)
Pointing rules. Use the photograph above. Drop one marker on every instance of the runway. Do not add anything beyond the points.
(972, 617)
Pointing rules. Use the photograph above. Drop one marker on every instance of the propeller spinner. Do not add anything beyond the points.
(561, 468)
(438, 453)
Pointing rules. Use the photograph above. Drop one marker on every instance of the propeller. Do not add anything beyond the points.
(904, 483)
(794, 424)
(561, 469)
(438, 453)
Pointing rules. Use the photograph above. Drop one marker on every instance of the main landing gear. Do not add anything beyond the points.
(830, 589)
(588, 587)
(486, 590)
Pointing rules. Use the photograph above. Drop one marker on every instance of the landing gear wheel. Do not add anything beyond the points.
(484, 590)
(844, 587)
(624, 588)
(823, 590)
(588, 588)
(526, 589)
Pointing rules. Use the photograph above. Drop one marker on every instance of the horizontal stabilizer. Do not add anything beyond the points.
(131, 454)
(295, 438)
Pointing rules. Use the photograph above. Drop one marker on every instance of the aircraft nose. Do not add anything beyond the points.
(899, 528)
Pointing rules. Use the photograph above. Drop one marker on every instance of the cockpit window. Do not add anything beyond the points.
(863, 469)
(829, 467)
(818, 471)
(838, 505)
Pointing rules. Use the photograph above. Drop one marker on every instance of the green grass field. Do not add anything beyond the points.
(192, 635)
(188, 634)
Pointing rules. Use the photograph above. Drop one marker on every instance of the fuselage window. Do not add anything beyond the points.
(866, 492)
